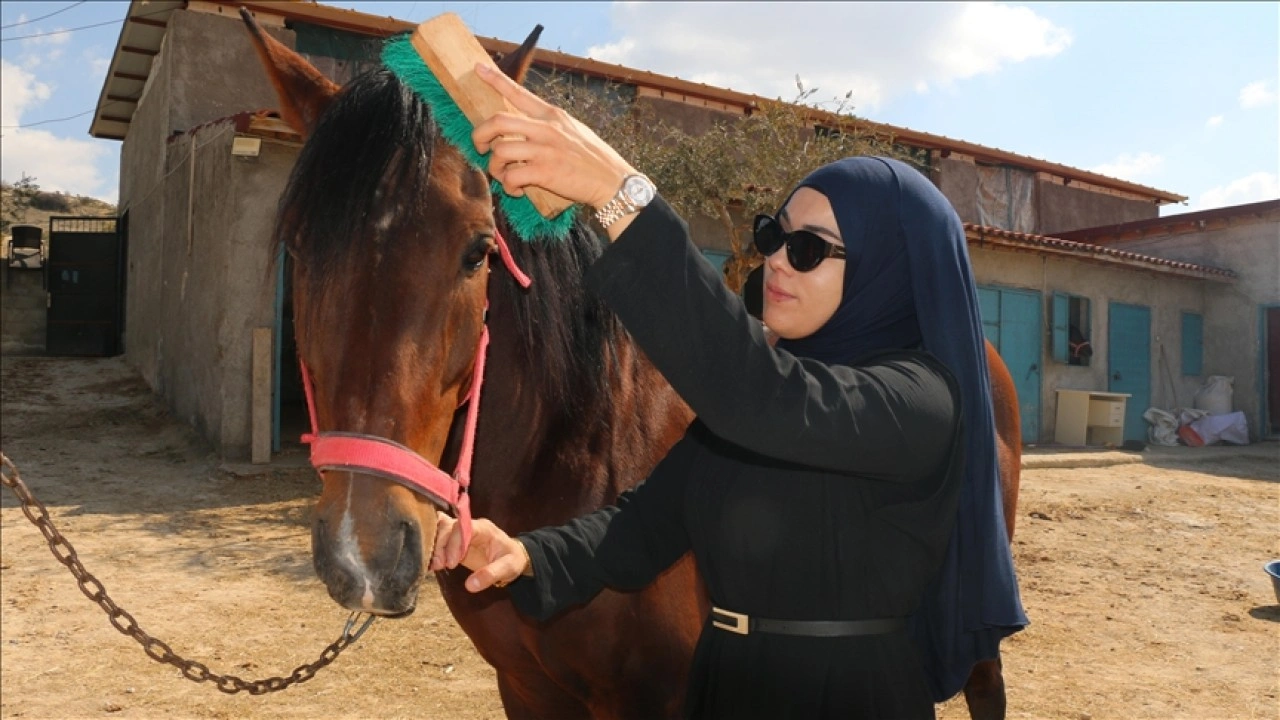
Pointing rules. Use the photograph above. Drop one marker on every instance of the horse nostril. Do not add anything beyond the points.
(339, 578)
(319, 547)
(408, 569)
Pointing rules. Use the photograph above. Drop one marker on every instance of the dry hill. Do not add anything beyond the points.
(36, 206)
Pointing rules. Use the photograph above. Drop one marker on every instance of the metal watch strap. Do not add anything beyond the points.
(614, 210)
(622, 204)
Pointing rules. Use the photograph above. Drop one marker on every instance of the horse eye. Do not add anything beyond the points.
(474, 257)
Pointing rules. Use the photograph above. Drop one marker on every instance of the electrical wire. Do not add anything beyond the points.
(61, 119)
(83, 27)
(55, 12)
(58, 32)
(44, 122)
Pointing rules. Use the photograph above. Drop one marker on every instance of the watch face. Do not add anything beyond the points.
(639, 190)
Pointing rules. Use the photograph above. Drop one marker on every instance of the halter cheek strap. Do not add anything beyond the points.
(369, 454)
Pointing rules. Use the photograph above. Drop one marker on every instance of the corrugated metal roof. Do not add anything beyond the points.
(986, 236)
(145, 24)
(1177, 224)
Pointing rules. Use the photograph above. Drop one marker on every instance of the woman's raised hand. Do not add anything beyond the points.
(546, 147)
(494, 557)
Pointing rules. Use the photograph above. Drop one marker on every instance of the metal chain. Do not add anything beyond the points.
(157, 649)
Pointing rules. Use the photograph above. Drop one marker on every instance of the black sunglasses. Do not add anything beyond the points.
(805, 250)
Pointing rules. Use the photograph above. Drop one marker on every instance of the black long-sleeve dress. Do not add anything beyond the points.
(805, 491)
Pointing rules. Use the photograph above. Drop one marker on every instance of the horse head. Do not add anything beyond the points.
(1078, 346)
(390, 232)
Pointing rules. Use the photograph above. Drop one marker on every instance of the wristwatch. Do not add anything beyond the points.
(636, 192)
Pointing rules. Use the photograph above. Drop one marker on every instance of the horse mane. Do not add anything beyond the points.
(563, 329)
(375, 131)
(378, 134)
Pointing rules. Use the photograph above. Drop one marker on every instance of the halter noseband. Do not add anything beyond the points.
(373, 455)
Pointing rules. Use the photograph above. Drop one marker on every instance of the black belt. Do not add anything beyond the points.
(745, 624)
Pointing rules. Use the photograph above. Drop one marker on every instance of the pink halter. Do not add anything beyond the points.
(391, 460)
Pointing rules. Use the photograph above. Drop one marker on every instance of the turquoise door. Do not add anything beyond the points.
(1129, 363)
(1011, 321)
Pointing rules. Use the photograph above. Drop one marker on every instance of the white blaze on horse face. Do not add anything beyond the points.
(385, 221)
(348, 547)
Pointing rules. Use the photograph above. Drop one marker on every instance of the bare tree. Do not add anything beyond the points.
(738, 168)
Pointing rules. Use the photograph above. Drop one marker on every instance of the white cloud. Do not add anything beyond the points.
(65, 164)
(21, 91)
(1214, 121)
(989, 35)
(1255, 187)
(1258, 94)
(98, 66)
(1131, 167)
(875, 50)
(60, 36)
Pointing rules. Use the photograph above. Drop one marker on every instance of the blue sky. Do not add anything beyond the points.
(1177, 96)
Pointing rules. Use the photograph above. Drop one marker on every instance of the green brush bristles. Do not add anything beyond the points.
(399, 56)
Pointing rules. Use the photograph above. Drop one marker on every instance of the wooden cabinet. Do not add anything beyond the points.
(1106, 413)
(1088, 417)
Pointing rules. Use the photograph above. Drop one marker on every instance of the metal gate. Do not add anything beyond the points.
(85, 282)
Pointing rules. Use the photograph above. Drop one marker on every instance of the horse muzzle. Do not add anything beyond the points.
(381, 576)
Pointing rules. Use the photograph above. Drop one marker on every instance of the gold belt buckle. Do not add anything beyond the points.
(740, 624)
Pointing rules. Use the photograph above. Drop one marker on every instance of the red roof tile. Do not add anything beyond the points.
(983, 235)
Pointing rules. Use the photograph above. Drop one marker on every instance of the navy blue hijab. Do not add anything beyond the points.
(908, 284)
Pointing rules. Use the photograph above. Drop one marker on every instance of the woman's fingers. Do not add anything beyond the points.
(523, 100)
(514, 174)
(505, 127)
(447, 534)
(494, 557)
(507, 151)
(546, 148)
(506, 564)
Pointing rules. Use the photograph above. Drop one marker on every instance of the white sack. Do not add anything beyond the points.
(1214, 397)
(1231, 428)
(1164, 426)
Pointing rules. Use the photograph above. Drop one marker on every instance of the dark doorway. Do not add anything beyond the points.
(84, 283)
(292, 419)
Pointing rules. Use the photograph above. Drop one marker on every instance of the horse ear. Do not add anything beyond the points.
(516, 63)
(304, 91)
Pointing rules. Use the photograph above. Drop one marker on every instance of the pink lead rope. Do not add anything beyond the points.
(389, 459)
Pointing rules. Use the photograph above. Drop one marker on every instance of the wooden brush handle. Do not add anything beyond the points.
(451, 52)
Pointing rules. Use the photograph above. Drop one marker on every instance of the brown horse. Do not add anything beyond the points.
(984, 691)
(392, 234)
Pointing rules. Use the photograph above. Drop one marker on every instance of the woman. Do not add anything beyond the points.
(819, 484)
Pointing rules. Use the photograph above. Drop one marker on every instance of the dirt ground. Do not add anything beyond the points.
(1143, 580)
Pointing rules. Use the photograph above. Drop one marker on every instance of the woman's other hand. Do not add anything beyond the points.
(495, 558)
(547, 148)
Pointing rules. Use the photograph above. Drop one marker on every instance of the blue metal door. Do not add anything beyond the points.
(1011, 320)
(989, 308)
(1129, 363)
